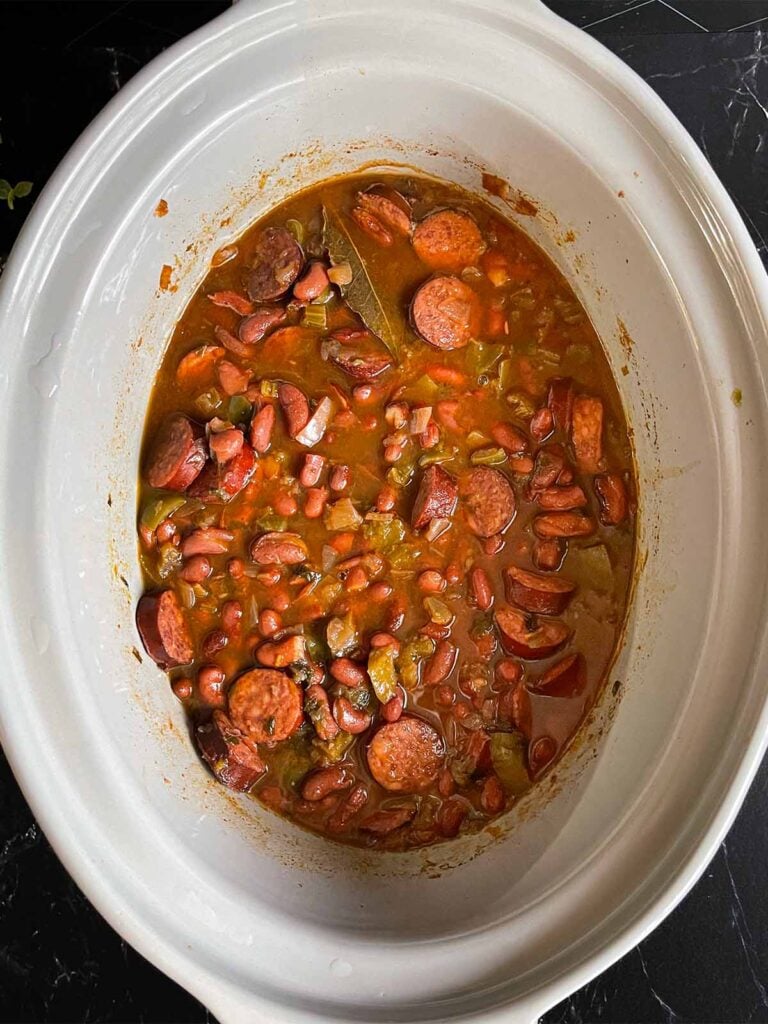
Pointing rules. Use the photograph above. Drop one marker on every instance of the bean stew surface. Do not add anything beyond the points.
(386, 512)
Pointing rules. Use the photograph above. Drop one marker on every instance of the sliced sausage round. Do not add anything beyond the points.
(565, 679)
(534, 592)
(178, 454)
(232, 759)
(529, 637)
(436, 497)
(164, 630)
(446, 313)
(279, 548)
(405, 756)
(389, 207)
(448, 240)
(266, 705)
(489, 501)
(275, 266)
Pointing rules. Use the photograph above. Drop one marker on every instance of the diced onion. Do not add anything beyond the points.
(437, 528)
(419, 419)
(317, 425)
(341, 274)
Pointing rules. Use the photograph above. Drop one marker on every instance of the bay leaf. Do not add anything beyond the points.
(360, 294)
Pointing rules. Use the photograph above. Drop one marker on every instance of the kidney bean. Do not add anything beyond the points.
(396, 614)
(446, 785)
(542, 424)
(612, 495)
(380, 591)
(349, 718)
(463, 709)
(431, 582)
(166, 531)
(452, 574)
(392, 453)
(363, 393)
(225, 445)
(210, 680)
(315, 503)
(445, 695)
(215, 641)
(312, 469)
(282, 654)
(196, 569)
(492, 545)
(510, 438)
(348, 808)
(393, 709)
(339, 478)
(236, 568)
(548, 554)
(431, 435)
(561, 499)
(450, 817)
(281, 600)
(270, 622)
(270, 577)
(386, 498)
(441, 663)
(492, 798)
(381, 823)
(480, 588)
(348, 672)
(324, 781)
(357, 579)
(285, 504)
(508, 671)
(182, 688)
(312, 284)
(231, 614)
(385, 640)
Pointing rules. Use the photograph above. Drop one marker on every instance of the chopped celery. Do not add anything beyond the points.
(340, 274)
(476, 439)
(545, 357)
(423, 390)
(341, 636)
(523, 298)
(578, 353)
(520, 405)
(208, 402)
(159, 509)
(508, 757)
(382, 535)
(381, 669)
(411, 655)
(315, 315)
(438, 611)
(506, 373)
(296, 228)
(488, 457)
(331, 751)
(342, 515)
(437, 455)
(360, 697)
(187, 594)
(170, 560)
(481, 356)
(270, 522)
(404, 556)
(269, 388)
(239, 409)
(316, 648)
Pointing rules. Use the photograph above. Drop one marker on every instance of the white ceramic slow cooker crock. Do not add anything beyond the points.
(261, 921)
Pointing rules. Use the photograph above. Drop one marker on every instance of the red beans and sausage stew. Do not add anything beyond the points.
(386, 512)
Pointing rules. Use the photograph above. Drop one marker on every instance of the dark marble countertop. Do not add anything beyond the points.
(59, 64)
